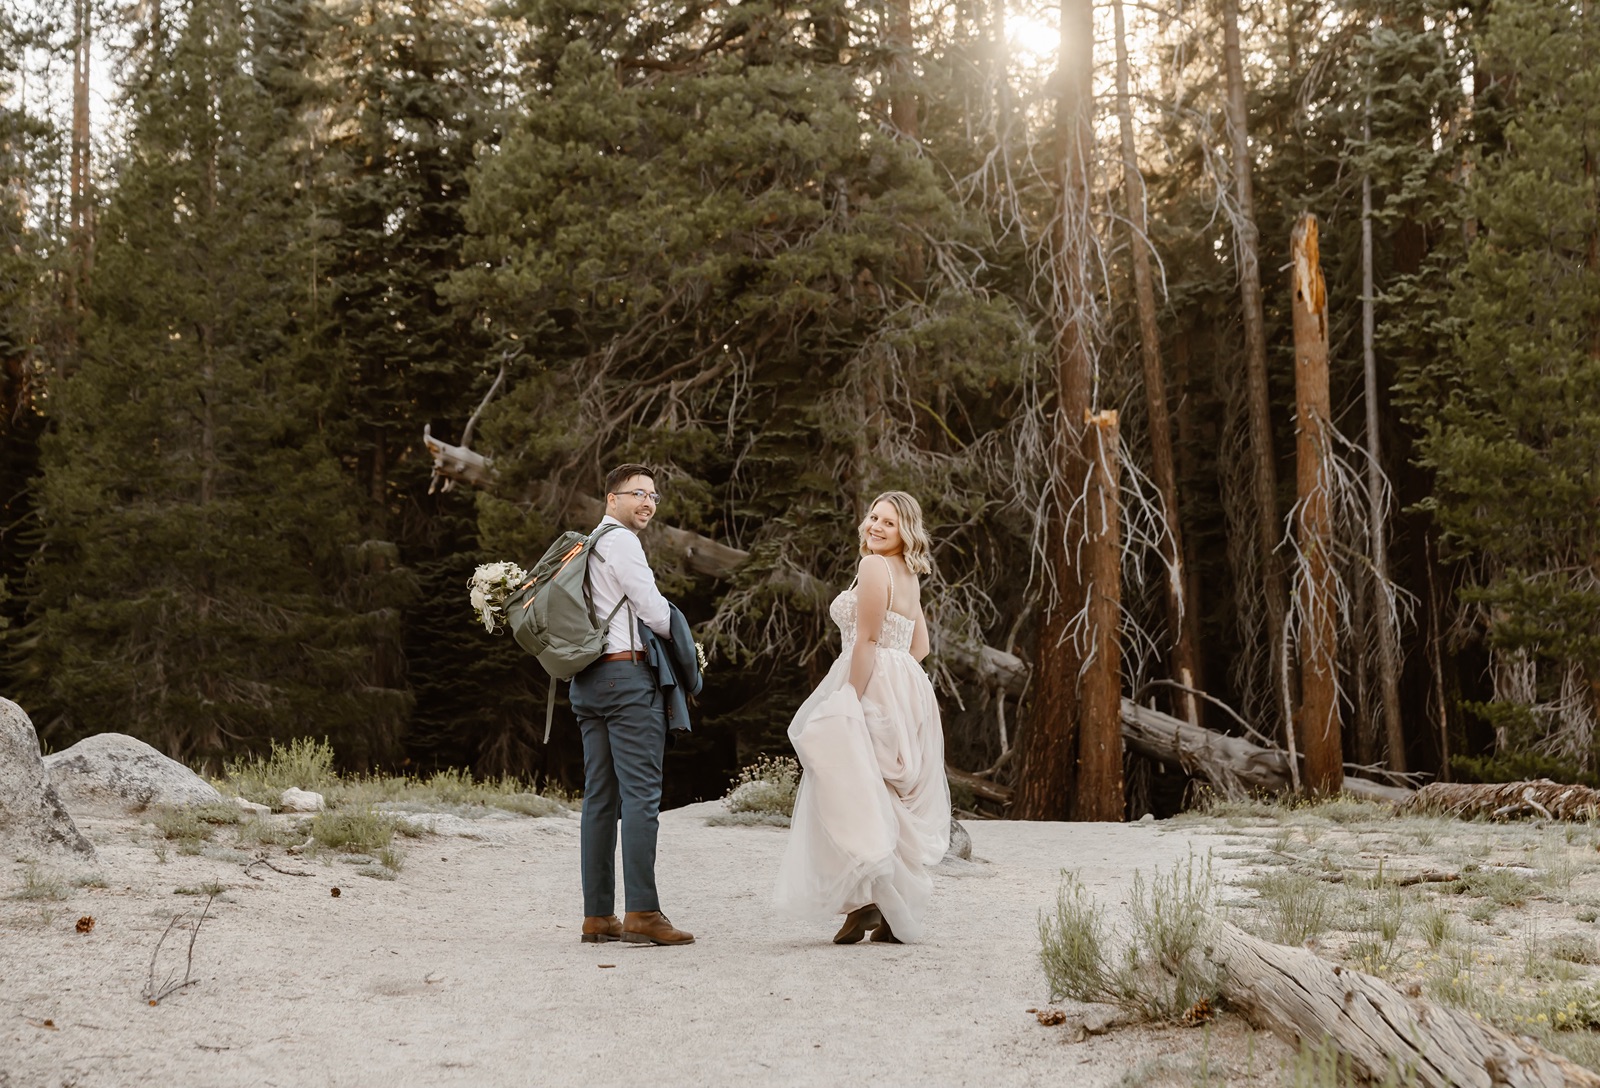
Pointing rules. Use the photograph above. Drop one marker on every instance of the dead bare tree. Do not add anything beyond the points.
(1182, 622)
(1317, 721)
(1050, 745)
(1247, 247)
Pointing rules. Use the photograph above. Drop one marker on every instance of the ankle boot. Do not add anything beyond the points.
(652, 927)
(598, 929)
(856, 924)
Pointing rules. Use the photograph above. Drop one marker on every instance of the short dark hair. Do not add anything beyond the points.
(623, 473)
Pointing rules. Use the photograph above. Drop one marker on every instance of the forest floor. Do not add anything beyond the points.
(465, 967)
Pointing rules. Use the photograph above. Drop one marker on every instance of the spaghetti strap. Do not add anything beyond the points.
(890, 565)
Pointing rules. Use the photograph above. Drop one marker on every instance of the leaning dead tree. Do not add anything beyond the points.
(1379, 1030)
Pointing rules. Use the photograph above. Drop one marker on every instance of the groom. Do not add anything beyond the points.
(622, 715)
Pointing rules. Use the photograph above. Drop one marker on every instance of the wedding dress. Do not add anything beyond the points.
(873, 808)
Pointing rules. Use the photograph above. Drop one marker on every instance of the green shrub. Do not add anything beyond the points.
(1297, 906)
(304, 763)
(1159, 969)
(768, 785)
(359, 831)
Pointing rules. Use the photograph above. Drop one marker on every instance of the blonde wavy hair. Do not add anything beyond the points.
(917, 546)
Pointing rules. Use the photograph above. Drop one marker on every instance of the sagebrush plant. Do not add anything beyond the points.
(304, 763)
(1157, 969)
(39, 884)
(767, 786)
(359, 831)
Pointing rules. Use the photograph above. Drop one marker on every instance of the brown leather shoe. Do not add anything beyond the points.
(856, 924)
(652, 927)
(884, 935)
(598, 930)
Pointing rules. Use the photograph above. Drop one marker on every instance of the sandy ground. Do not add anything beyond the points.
(467, 970)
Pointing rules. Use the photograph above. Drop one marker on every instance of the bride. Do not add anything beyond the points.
(873, 809)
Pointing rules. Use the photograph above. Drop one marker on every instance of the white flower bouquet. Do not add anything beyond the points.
(489, 587)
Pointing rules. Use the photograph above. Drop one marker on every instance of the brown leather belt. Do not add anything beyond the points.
(624, 655)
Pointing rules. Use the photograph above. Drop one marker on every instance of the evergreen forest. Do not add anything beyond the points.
(1244, 356)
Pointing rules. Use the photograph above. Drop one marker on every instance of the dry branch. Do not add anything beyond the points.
(155, 994)
(1297, 996)
(274, 868)
(1502, 800)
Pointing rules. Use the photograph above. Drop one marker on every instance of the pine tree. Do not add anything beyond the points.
(200, 581)
(1511, 408)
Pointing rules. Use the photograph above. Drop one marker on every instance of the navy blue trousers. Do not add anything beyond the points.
(623, 720)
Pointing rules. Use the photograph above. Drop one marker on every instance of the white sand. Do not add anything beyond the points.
(467, 970)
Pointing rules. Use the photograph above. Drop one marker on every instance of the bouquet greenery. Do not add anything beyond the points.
(490, 585)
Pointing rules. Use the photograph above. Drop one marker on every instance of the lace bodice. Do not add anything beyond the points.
(897, 629)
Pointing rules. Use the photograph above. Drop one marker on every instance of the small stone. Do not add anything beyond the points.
(960, 843)
(1148, 818)
(1101, 1019)
(299, 800)
(252, 808)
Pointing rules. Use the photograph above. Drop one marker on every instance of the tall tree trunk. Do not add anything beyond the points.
(1100, 730)
(1318, 718)
(1255, 343)
(902, 89)
(79, 210)
(1182, 622)
(1049, 745)
(1383, 614)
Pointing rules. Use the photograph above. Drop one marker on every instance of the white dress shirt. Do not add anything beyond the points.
(625, 573)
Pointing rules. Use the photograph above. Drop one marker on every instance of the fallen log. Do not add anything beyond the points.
(1298, 996)
(1503, 800)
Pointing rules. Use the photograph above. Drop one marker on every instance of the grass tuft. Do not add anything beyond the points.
(357, 831)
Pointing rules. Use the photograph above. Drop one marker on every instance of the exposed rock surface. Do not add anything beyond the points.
(119, 772)
(295, 799)
(32, 817)
(960, 843)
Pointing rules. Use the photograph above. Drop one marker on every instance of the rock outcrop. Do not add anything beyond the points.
(32, 818)
(121, 773)
(960, 842)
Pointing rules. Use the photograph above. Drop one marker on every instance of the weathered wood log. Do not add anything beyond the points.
(1298, 996)
(1502, 800)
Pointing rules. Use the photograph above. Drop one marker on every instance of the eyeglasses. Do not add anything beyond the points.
(639, 493)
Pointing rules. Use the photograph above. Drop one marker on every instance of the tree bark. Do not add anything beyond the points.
(1247, 241)
(1383, 614)
(1500, 800)
(1049, 745)
(1298, 996)
(1318, 717)
(1100, 725)
(1182, 622)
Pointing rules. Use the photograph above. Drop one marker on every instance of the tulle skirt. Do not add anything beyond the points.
(873, 809)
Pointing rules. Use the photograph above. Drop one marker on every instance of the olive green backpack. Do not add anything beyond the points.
(551, 613)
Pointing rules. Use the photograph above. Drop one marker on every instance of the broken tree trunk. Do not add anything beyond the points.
(1317, 717)
(1099, 796)
(1502, 800)
(1298, 997)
